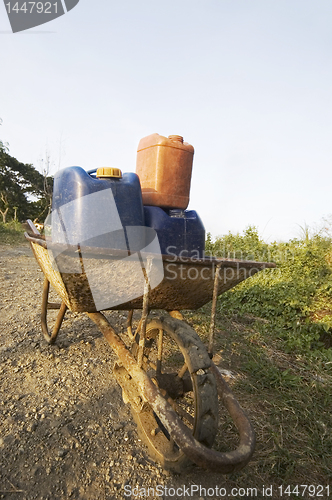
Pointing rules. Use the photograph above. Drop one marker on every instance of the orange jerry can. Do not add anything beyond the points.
(164, 166)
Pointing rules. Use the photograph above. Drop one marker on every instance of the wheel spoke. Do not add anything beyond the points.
(183, 413)
(183, 370)
(172, 444)
(168, 353)
(160, 351)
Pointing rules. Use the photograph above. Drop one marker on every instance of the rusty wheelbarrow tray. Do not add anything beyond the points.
(167, 374)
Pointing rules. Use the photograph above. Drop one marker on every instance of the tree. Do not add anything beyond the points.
(24, 192)
(5, 208)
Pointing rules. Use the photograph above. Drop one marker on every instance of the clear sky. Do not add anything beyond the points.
(246, 82)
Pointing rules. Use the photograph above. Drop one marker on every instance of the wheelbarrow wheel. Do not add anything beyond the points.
(177, 361)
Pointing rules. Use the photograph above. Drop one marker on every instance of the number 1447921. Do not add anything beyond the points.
(32, 7)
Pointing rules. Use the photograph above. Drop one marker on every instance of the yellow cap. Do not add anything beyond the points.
(109, 172)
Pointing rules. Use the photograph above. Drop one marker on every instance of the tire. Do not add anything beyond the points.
(193, 394)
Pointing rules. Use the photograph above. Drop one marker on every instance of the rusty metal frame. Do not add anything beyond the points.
(148, 392)
(145, 312)
(219, 462)
(50, 338)
(213, 310)
(130, 325)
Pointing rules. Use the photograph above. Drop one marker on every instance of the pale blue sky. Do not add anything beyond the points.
(246, 82)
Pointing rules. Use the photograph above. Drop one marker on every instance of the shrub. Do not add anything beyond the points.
(11, 233)
(295, 299)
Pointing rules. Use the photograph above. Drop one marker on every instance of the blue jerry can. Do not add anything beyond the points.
(100, 208)
(180, 232)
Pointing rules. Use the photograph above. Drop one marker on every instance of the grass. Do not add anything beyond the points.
(274, 332)
(11, 233)
(295, 299)
(287, 396)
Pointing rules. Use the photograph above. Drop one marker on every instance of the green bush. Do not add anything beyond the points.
(295, 299)
(11, 233)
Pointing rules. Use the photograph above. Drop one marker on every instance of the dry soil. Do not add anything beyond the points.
(65, 432)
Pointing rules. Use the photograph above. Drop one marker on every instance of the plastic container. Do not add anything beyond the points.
(180, 232)
(97, 208)
(164, 167)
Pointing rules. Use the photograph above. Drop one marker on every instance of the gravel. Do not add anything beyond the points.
(65, 432)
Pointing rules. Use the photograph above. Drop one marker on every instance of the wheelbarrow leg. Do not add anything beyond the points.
(47, 305)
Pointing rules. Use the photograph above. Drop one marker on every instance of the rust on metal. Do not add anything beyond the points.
(187, 283)
(130, 325)
(216, 461)
(160, 352)
(145, 312)
(213, 310)
(45, 307)
(130, 393)
(176, 315)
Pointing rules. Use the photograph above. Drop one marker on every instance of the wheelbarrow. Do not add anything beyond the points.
(165, 371)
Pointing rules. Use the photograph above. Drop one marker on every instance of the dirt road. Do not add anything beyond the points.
(65, 432)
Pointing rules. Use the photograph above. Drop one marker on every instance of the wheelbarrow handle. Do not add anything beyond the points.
(209, 459)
